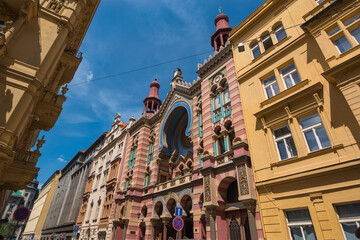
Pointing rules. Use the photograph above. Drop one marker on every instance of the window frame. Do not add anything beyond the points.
(290, 73)
(346, 220)
(281, 28)
(299, 223)
(337, 46)
(270, 85)
(253, 47)
(343, 28)
(265, 40)
(283, 139)
(313, 129)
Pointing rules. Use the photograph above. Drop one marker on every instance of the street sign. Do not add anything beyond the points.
(76, 230)
(178, 212)
(178, 223)
(21, 214)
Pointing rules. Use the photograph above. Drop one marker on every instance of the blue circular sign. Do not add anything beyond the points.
(178, 223)
(21, 214)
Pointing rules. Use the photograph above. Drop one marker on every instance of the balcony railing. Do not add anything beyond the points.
(217, 115)
(27, 156)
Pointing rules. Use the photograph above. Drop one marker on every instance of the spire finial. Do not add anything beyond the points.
(220, 9)
(156, 76)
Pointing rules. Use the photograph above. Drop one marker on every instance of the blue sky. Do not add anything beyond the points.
(126, 35)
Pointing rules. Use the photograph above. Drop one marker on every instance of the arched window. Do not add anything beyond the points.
(280, 33)
(255, 50)
(267, 42)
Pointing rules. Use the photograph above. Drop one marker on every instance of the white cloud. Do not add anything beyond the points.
(61, 159)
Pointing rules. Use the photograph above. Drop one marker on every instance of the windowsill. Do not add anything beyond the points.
(341, 55)
(284, 93)
(309, 155)
(270, 49)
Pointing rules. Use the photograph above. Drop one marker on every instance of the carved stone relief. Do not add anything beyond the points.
(207, 189)
(243, 181)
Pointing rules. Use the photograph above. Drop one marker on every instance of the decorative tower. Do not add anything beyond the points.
(222, 32)
(152, 102)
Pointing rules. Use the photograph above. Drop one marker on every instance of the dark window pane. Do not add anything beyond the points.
(348, 210)
(298, 215)
(282, 131)
(321, 133)
(356, 34)
(296, 233)
(309, 232)
(342, 44)
(282, 149)
(349, 230)
(311, 120)
(267, 42)
(311, 141)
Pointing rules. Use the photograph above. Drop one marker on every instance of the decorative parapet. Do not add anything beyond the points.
(173, 183)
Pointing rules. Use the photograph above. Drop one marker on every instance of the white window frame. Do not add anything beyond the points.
(313, 128)
(254, 46)
(289, 74)
(347, 220)
(271, 86)
(341, 36)
(299, 224)
(283, 138)
(353, 35)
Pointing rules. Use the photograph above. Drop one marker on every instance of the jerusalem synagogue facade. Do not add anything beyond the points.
(189, 151)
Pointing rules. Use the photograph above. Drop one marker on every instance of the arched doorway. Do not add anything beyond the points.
(237, 220)
(188, 230)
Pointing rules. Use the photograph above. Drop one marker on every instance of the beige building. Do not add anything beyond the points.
(41, 208)
(297, 63)
(39, 42)
(96, 211)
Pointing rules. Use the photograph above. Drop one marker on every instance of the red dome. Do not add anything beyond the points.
(221, 16)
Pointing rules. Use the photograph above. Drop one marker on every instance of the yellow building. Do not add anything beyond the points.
(41, 207)
(297, 63)
(39, 42)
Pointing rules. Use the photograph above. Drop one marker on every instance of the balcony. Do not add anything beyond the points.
(24, 163)
(110, 184)
(49, 109)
